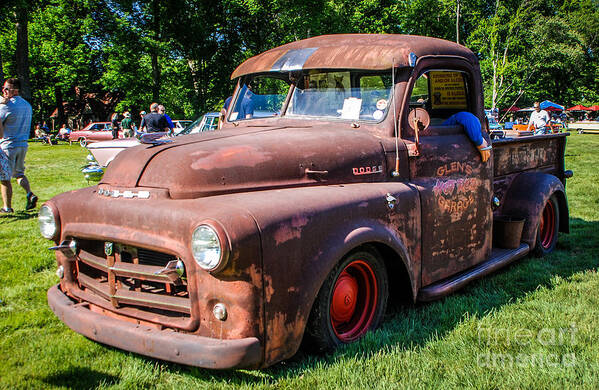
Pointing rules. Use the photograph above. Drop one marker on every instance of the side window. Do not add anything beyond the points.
(419, 97)
(442, 93)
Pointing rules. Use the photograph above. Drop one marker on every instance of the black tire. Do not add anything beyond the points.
(83, 142)
(361, 288)
(547, 229)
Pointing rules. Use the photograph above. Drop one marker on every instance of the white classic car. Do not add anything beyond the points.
(102, 153)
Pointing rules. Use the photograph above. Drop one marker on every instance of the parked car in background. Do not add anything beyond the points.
(180, 124)
(102, 153)
(206, 122)
(93, 132)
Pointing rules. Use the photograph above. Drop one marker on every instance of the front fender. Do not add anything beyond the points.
(305, 232)
(526, 198)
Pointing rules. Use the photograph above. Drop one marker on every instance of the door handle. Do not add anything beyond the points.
(312, 172)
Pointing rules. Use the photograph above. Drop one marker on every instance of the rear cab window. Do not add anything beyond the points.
(441, 93)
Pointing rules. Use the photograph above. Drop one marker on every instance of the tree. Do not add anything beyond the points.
(501, 44)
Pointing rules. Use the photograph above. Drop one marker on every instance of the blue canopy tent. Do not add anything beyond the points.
(546, 104)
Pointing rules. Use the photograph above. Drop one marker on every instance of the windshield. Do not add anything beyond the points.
(349, 95)
(345, 95)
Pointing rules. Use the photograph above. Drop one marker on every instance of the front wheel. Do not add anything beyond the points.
(83, 142)
(548, 228)
(351, 301)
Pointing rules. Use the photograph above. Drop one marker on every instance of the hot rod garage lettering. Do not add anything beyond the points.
(235, 259)
(367, 170)
(456, 206)
(458, 186)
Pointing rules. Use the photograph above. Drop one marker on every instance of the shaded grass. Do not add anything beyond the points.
(495, 333)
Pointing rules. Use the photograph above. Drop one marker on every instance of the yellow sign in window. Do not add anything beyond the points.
(448, 90)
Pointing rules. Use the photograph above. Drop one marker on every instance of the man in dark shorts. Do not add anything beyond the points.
(15, 116)
(154, 122)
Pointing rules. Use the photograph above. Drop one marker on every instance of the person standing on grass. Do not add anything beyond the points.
(141, 123)
(127, 125)
(539, 120)
(114, 121)
(154, 122)
(15, 117)
(169, 121)
(5, 172)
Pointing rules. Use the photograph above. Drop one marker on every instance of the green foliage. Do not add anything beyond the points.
(182, 52)
(463, 341)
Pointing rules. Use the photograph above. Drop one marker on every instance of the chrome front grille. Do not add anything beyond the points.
(127, 279)
(149, 257)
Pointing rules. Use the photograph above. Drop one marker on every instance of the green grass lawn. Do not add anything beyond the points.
(533, 325)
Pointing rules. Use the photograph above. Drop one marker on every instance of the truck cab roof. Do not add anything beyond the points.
(351, 51)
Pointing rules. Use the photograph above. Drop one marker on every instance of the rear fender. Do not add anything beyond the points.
(526, 198)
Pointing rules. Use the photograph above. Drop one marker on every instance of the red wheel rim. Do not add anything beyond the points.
(354, 301)
(547, 225)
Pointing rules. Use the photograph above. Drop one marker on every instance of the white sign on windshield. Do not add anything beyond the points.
(351, 108)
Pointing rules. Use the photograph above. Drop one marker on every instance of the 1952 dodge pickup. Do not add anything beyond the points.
(335, 185)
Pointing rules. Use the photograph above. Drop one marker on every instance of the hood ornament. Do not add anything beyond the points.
(154, 139)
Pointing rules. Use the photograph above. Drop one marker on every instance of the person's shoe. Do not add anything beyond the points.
(4, 211)
(31, 202)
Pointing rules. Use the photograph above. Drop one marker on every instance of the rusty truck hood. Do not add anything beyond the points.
(246, 159)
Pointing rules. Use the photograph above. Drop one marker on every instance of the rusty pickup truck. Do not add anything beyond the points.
(334, 186)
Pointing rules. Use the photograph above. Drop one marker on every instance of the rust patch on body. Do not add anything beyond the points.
(238, 156)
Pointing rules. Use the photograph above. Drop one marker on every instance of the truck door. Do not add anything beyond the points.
(454, 184)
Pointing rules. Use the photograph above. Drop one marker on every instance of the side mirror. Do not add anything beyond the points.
(419, 120)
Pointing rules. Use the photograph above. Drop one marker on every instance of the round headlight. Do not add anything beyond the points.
(48, 222)
(206, 247)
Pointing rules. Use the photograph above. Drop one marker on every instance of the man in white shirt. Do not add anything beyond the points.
(15, 115)
(539, 119)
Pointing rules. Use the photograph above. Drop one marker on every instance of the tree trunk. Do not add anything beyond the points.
(195, 72)
(1, 71)
(59, 105)
(457, 22)
(22, 52)
(154, 51)
(155, 77)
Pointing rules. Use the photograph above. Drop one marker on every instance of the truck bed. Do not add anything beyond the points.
(541, 153)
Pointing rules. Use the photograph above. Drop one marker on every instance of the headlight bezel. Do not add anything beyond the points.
(56, 219)
(224, 245)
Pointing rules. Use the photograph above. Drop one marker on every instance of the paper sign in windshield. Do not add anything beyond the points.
(448, 90)
(351, 108)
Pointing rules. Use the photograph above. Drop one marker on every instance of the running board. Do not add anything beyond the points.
(499, 258)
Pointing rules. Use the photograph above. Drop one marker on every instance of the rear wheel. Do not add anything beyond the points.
(351, 301)
(83, 142)
(548, 228)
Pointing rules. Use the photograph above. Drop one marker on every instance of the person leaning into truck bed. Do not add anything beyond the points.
(473, 129)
